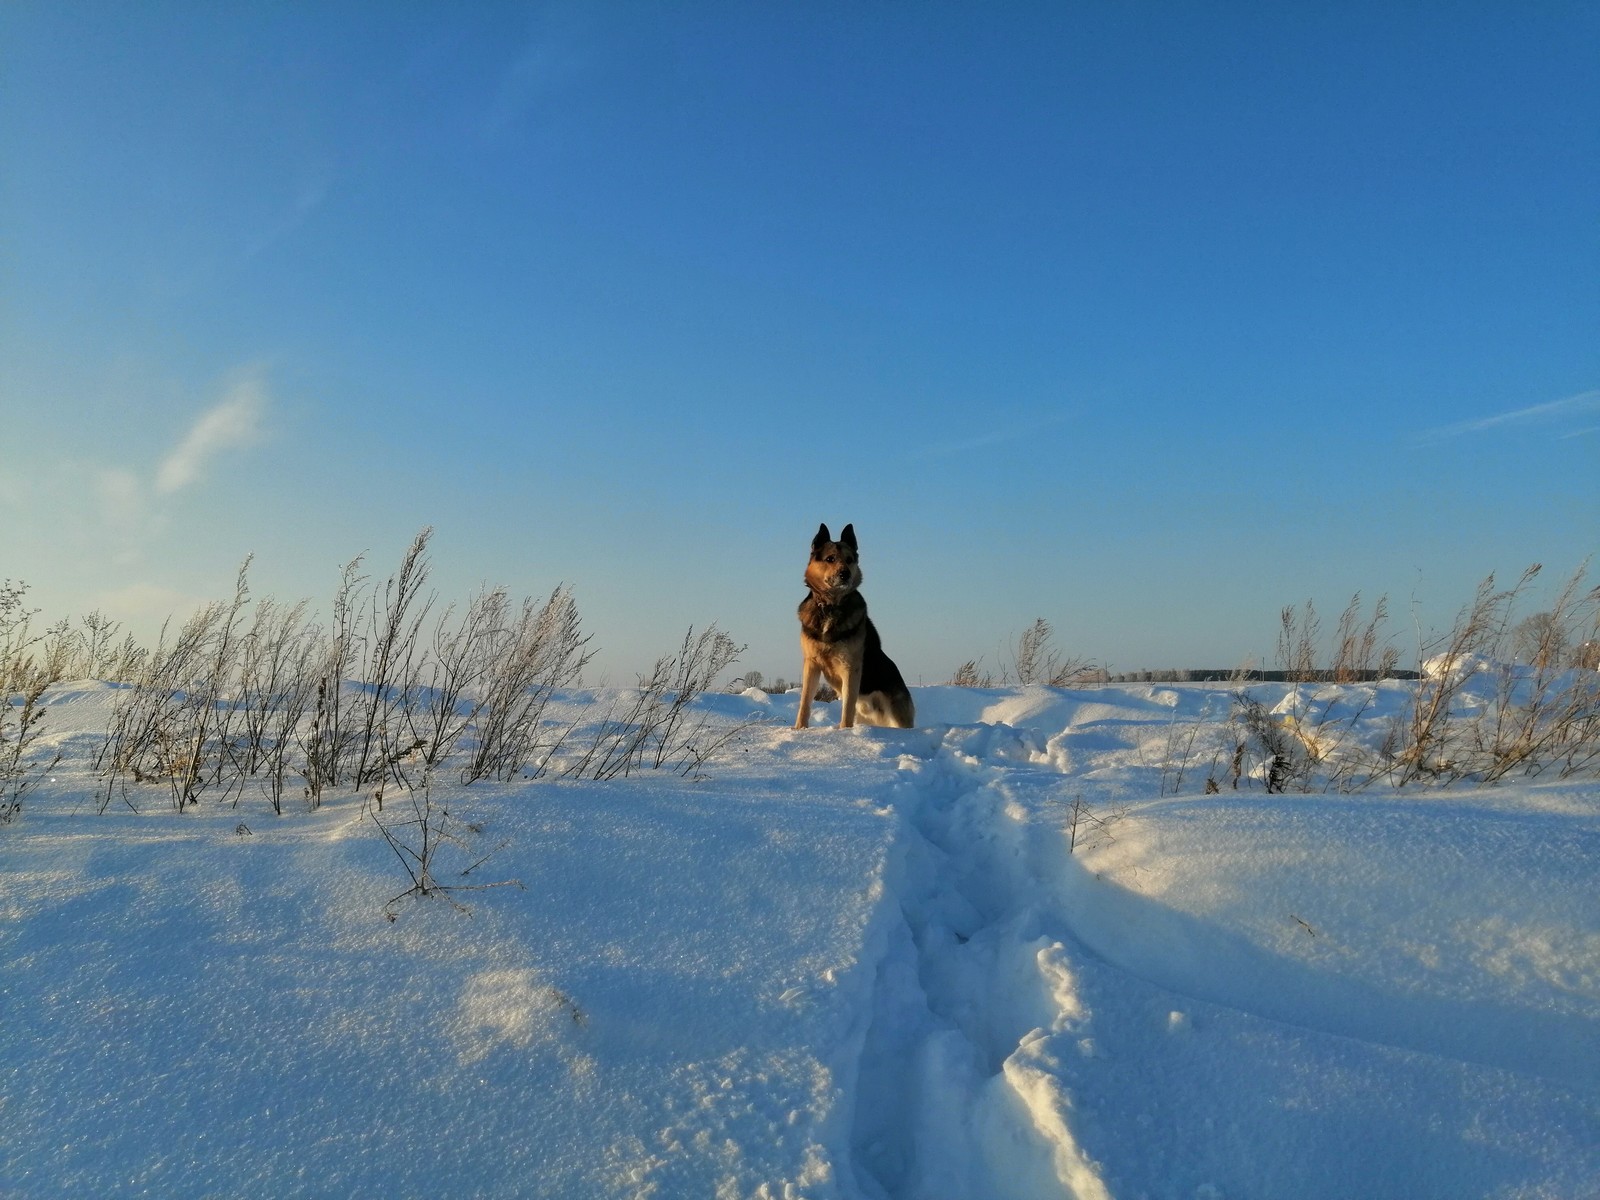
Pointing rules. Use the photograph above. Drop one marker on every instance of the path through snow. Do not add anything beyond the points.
(1213, 997)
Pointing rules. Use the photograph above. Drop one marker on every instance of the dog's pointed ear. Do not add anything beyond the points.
(822, 538)
(848, 536)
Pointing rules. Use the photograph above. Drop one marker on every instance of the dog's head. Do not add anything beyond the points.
(835, 566)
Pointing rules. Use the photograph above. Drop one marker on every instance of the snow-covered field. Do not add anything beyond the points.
(863, 963)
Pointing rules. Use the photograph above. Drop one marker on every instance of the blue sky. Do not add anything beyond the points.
(1145, 318)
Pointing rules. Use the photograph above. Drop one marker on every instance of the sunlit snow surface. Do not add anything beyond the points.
(842, 963)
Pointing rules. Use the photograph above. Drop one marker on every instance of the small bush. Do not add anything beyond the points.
(1034, 661)
(176, 723)
(1088, 829)
(382, 696)
(24, 676)
(968, 674)
(1495, 698)
(654, 729)
(528, 659)
(417, 834)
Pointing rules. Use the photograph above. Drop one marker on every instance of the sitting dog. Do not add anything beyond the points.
(839, 642)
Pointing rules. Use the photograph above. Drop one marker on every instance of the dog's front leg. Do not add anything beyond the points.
(848, 693)
(808, 689)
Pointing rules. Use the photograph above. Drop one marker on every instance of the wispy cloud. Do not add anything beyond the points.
(1554, 410)
(992, 437)
(311, 192)
(236, 421)
(551, 59)
(121, 496)
(124, 511)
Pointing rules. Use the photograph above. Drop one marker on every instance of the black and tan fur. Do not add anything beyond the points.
(839, 643)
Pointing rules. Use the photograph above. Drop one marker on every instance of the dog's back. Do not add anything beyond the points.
(884, 699)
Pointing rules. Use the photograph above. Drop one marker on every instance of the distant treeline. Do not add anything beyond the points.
(1251, 675)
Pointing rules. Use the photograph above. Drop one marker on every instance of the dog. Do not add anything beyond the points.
(839, 643)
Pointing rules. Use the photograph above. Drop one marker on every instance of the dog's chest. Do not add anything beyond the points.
(833, 622)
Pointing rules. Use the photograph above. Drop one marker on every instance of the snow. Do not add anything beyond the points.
(865, 964)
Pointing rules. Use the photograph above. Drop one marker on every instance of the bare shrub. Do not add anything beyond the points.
(968, 674)
(1430, 745)
(1543, 713)
(655, 728)
(20, 727)
(16, 638)
(175, 723)
(678, 738)
(1035, 660)
(23, 677)
(423, 829)
(235, 695)
(529, 658)
(207, 710)
(265, 662)
(1283, 757)
(1496, 697)
(1297, 641)
(326, 744)
(1541, 641)
(56, 651)
(1362, 650)
(95, 650)
(449, 697)
(277, 682)
(1179, 752)
(394, 622)
(1579, 742)
(1088, 829)
(229, 699)
(216, 705)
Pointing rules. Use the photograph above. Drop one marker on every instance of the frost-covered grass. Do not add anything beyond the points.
(841, 963)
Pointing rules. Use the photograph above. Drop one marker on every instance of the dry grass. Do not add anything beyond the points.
(392, 690)
(24, 674)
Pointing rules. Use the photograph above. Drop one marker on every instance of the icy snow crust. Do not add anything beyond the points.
(844, 964)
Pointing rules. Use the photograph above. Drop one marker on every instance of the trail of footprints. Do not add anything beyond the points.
(976, 1004)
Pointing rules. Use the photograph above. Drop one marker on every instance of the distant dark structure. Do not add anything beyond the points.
(1251, 675)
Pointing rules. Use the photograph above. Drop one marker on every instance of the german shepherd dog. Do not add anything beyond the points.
(839, 642)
